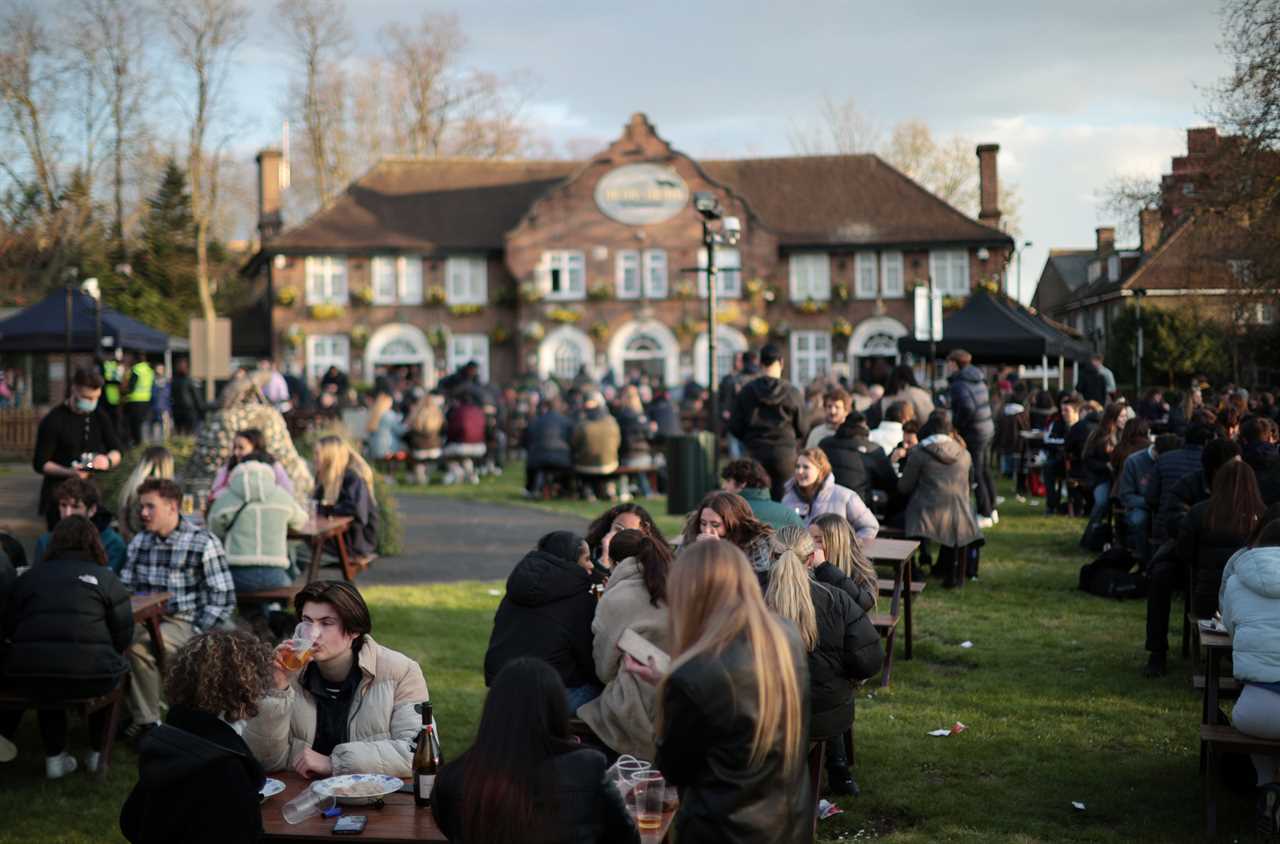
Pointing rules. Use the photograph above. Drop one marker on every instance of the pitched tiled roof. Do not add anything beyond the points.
(1072, 265)
(427, 204)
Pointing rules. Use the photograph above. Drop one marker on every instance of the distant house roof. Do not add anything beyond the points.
(1072, 265)
(430, 204)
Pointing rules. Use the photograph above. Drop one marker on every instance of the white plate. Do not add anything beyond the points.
(270, 788)
(374, 785)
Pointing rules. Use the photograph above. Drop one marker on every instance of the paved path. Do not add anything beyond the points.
(445, 539)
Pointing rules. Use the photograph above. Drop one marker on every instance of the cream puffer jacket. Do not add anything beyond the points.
(381, 727)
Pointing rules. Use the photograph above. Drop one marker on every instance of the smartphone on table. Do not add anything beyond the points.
(350, 824)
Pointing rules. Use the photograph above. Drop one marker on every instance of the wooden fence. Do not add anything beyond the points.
(18, 432)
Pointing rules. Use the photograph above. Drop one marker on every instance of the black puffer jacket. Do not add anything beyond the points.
(709, 719)
(635, 434)
(547, 440)
(831, 575)
(859, 464)
(848, 650)
(1206, 552)
(197, 782)
(971, 406)
(1189, 491)
(547, 614)
(588, 810)
(769, 416)
(68, 619)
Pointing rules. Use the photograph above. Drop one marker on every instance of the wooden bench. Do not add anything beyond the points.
(82, 706)
(283, 594)
(1216, 739)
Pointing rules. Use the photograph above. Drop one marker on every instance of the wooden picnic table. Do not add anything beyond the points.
(317, 532)
(897, 553)
(148, 610)
(1217, 644)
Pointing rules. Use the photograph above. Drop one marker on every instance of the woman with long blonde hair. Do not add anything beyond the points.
(385, 429)
(426, 434)
(732, 717)
(156, 462)
(846, 566)
(843, 645)
(344, 487)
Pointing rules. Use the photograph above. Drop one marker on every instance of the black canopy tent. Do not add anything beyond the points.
(43, 328)
(996, 330)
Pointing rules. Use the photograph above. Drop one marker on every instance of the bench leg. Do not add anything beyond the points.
(906, 598)
(816, 753)
(348, 570)
(109, 740)
(313, 567)
(888, 657)
(1209, 792)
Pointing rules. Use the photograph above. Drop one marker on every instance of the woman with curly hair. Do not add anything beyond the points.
(726, 515)
(197, 779)
(620, 517)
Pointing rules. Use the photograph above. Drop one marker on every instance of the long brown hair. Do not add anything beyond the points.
(653, 556)
(741, 527)
(715, 600)
(1235, 505)
(1108, 430)
(818, 458)
(76, 535)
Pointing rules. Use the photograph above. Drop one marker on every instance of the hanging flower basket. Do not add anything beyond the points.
(294, 337)
(564, 316)
(729, 314)
(811, 306)
(533, 331)
(500, 335)
(326, 311)
(435, 297)
(530, 291)
(465, 310)
(287, 297)
(599, 331)
(687, 328)
(770, 293)
(600, 292)
(684, 290)
(438, 337)
(362, 295)
(758, 327)
(840, 291)
(842, 328)
(360, 336)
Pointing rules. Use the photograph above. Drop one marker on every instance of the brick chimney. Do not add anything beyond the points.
(988, 185)
(1150, 225)
(269, 220)
(1106, 240)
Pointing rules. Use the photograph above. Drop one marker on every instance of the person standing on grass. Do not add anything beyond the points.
(172, 554)
(769, 418)
(748, 479)
(68, 623)
(971, 418)
(742, 779)
(351, 710)
(197, 780)
(814, 491)
(1250, 605)
(524, 778)
(78, 427)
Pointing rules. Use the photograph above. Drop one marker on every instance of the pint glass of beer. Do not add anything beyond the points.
(299, 648)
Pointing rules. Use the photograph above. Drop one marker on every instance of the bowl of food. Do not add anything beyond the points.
(357, 789)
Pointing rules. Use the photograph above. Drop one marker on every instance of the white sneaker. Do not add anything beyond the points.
(986, 522)
(8, 750)
(995, 517)
(92, 760)
(57, 767)
(999, 499)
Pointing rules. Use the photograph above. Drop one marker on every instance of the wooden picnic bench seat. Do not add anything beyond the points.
(886, 624)
(10, 699)
(886, 586)
(1216, 739)
(283, 594)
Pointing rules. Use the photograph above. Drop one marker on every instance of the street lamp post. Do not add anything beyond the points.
(708, 206)
(1021, 249)
(1138, 293)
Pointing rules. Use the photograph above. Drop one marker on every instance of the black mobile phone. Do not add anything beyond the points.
(350, 825)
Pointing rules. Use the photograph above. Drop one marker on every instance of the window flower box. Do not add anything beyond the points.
(326, 311)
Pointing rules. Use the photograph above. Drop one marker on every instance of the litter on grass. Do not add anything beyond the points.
(494, 592)
(1077, 805)
(956, 729)
(826, 809)
(966, 644)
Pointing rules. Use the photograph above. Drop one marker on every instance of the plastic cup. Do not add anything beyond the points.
(625, 769)
(647, 800)
(299, 648)
(307, 804)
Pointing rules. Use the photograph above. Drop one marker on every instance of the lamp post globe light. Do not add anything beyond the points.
(1023, 248)
(729, 233)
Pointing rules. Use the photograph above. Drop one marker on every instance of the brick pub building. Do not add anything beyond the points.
(543, 267)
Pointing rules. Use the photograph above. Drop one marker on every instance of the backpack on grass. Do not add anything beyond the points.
(1112, 575)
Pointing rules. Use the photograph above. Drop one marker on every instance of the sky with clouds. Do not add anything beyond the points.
(1075, 94)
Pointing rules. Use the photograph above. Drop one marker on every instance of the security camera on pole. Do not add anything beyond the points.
(706, 204)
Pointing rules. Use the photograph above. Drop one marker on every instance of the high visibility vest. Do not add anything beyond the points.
(144, 377)
(111, 375)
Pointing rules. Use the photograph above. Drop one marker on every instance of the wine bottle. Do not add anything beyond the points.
(426, 758)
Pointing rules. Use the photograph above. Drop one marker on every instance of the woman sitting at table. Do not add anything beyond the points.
(1250, 605)
(351, 709)
(197, 780)
(252, 520)
(814, 491)
(843, 564)
(636, 600)
(842, 644)
(741, 779)
(628, 516)
(245, 442)
(344, 487)
(1216, 529)
(936, 477)
(728, 516)
(68, 622)
(385, 429)
(524, 779)
(156, 462)
(547, 613)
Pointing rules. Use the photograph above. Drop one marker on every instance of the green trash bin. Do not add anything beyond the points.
(691, 471)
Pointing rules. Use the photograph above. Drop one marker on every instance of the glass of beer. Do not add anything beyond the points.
(188, 504)
(647, 799)
(299, 648)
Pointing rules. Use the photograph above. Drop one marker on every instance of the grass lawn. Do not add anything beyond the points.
(1051, 692)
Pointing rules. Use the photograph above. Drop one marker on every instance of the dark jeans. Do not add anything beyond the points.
(136, 413)
(53, 722)
(1055, 474)
(1163, 573)
(780, 463)
(980, 453)
(837, 761)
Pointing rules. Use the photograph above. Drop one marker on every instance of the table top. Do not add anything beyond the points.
(321, 527)
(152, 602)
(398, 820)
(1213, 638)
(890, 550)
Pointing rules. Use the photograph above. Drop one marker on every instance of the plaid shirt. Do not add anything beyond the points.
(191, 564)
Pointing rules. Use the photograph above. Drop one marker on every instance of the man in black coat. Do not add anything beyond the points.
(78, 426)
(858, 463)
(1092, 384)
(546, 442)
(971, 417)
(185, 398)
(769, 419)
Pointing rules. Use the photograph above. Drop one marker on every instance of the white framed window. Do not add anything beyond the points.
(655, 273)
(563, 274)
(567, 360)
(465, 348)
(326, 350)
(326, 279)
(728, 273)
(810, 277)
(891, 284)
(627, 273)
(865, 283)
(466, 280)
(950, 271)
(385, 277)
(409, 269)
(1266, 313)
(810, 355)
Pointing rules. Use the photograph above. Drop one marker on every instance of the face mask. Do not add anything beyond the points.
(86, 405)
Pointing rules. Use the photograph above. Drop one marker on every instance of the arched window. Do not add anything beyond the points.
(567, 360)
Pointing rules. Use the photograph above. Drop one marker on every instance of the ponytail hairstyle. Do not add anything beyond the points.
(653, 555)
(789, 592)
(844, 551)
